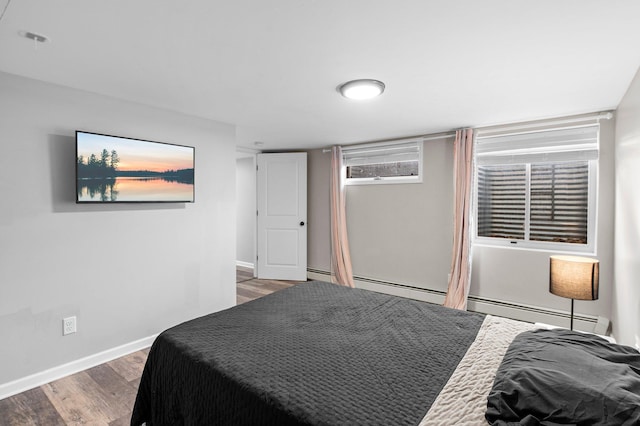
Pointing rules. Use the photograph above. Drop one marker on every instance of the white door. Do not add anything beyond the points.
(282, 216)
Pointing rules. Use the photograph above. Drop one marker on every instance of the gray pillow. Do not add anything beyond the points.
(564, 377)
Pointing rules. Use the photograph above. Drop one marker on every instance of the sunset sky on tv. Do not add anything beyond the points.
(136, 154)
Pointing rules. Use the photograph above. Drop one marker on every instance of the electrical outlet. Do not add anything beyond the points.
(68, 325)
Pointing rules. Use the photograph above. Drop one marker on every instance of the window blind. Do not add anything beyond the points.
(559, 202)
(502, 201)
(382, 153)
(576, 143)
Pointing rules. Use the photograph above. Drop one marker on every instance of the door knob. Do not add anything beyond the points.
(301, 223)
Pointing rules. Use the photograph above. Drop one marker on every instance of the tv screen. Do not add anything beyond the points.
(113, 169)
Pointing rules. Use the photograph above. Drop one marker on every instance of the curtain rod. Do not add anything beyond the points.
(424, 138)
(606, 115)
(603, 115)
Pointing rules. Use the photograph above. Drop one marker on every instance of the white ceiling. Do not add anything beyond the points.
(272, 67)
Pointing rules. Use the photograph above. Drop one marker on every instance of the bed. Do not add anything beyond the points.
(321, 354)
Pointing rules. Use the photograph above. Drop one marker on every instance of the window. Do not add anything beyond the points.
(388, 162)
(537, 190)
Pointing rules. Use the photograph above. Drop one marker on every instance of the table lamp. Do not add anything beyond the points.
(574, 277)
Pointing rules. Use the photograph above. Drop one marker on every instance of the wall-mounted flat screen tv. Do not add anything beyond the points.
(113, 169)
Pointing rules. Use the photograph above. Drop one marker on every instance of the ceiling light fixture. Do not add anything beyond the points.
(362, 89)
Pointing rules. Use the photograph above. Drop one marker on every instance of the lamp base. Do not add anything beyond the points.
(571, 328)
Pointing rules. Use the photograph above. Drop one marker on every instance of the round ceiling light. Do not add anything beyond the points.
(362, 89)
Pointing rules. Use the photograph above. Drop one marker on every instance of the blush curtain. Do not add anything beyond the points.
(341, 272)
(460, 273)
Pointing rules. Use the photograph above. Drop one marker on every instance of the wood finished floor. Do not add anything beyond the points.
(104, 395)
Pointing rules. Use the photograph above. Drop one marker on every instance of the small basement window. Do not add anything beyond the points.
(385, 162)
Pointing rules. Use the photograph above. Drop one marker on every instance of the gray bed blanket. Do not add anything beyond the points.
(313, 354)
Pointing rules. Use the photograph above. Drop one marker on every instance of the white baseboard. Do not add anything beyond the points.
(397, 290)
(529, 313)
(513, 310)
(318, 275)
(55, 373)
(393, 289)
(244, 264)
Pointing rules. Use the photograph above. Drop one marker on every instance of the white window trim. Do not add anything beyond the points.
(389, 179)
(568, 248)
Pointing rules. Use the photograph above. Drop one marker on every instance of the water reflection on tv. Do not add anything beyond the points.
(114, 169)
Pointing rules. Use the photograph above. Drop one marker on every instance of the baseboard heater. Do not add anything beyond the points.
(485, 305)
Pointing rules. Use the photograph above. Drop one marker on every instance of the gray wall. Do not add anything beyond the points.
(403, 234)
(398, 232)
(126, 271)
(318, 216)
(626, 290)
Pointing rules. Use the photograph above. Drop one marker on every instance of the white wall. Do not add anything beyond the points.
(246, 209)
(126, 271)
(626, 290)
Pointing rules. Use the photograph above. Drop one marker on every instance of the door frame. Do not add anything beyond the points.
(242, 152)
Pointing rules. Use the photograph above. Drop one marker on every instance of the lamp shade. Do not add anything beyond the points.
(574, 277)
